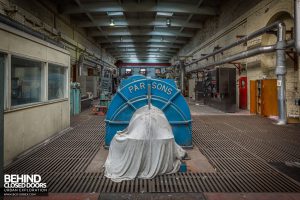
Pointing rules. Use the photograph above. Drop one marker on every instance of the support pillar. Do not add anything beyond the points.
(280, 73)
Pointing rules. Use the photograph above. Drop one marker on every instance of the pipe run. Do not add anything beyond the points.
(238, 56)
(242, 55)
(97, 61)
(21, 27)
(244, 39)
(280, 70)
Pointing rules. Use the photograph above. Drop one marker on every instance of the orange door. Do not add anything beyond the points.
(253, 97)
(269, 98)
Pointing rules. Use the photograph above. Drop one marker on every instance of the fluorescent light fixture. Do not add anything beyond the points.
(112, 23)
(168, 14)
(115, 13)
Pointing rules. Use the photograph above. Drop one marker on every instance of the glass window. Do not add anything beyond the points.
(25, 81)
(56, 81)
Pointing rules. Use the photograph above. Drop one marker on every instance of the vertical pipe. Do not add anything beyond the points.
(182, 75)
(1, 121)
(297, 24)
(281, 72)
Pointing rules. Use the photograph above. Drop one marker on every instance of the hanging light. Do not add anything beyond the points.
(112, 23)
(168, 22)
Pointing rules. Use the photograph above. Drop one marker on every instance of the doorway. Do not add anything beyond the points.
(243, 93)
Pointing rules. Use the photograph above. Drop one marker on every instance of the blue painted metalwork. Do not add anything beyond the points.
(183, 167)
(132, 94)
(75, 99)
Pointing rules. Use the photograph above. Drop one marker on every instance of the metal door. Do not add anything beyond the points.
(243, 92)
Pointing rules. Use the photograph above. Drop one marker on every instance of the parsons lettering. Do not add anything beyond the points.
(155, 86)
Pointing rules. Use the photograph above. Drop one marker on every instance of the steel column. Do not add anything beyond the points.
(281, 72)
(182, 75)
(297, 24)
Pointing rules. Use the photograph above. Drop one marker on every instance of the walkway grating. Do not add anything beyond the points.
(241, 149)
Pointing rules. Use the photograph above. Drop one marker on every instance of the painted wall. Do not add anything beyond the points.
(29, 125)
(254, 16)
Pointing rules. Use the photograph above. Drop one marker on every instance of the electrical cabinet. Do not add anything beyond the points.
(218, 89)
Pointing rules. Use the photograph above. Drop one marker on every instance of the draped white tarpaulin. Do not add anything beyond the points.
(146, 148)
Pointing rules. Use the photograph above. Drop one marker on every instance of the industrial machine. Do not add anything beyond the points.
(102, 107)
(135, 92)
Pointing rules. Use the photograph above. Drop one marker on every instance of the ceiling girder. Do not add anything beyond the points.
(137, 32)
(105, 21)
(143, 56)
(133, 45)
(143, 53)
(152, 60)
(144, 7)
(141, 39)
(142, 49)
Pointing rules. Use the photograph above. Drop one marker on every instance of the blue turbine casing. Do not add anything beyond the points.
(132, 95)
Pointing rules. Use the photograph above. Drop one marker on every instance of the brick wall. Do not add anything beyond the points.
(239, 18)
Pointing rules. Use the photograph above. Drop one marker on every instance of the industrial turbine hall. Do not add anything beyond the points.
(150, 99)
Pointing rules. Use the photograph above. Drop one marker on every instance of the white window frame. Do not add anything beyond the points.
(7, 81)
(44, 82)
(66, 85)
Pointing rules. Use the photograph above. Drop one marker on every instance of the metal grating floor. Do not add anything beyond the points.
(241, 148)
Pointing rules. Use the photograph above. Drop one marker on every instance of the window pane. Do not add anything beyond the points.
(25, 81)
(56, 81)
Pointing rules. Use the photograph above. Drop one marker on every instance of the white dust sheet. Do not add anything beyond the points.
(145, 149)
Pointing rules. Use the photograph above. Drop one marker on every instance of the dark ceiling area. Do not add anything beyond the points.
(137, 30)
